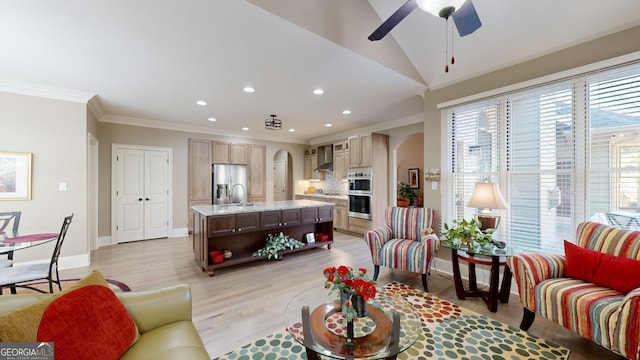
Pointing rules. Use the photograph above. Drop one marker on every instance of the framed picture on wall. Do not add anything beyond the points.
(15, 176)
(414, 178)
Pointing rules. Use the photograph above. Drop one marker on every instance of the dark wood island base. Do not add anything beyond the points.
(244, 229)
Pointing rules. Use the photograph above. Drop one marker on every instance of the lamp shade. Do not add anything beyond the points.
(434, 7)
(487, 196)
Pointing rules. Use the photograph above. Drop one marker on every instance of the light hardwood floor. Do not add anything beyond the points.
(243, 303)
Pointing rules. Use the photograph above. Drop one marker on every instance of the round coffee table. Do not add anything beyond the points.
(314, 319)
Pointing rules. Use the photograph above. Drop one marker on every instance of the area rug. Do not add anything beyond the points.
(449, 332)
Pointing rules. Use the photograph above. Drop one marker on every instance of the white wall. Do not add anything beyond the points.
(55, 132)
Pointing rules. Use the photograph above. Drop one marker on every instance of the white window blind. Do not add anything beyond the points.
(540, 166)
(562, 153)
(614, 146)
(472, 132)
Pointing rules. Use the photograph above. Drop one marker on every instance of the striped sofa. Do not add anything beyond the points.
(402, 244)
(608, 317)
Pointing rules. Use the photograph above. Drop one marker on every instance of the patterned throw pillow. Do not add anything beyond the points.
(86, 321)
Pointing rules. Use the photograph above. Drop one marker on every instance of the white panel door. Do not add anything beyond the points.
(130, 195)
(142, 194)
(280, 181)
(156, 190)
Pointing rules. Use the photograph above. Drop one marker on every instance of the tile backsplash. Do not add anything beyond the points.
(334, 186)
(329, 185)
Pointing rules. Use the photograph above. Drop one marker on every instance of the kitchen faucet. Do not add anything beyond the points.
(244, 192)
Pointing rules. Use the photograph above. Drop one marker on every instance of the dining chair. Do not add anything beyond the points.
(7, 218)
(23, 275)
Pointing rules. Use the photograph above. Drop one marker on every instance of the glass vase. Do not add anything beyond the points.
(360, 305)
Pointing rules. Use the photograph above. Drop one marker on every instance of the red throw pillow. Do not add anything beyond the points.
(615, 272)
(88, 323)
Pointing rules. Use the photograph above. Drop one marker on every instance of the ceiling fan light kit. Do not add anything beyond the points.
(463, 13)
(441, 8)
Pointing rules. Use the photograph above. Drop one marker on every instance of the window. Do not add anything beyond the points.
(562, 153)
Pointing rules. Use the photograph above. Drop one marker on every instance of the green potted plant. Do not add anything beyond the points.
(467, 233)
(405, 191)
(276, 243)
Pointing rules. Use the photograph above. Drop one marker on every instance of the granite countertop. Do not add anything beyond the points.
(326, 196)
(210, 210)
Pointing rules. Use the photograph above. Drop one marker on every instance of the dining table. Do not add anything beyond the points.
(10, 244)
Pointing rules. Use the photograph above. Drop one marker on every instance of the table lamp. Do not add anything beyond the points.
(487, 196)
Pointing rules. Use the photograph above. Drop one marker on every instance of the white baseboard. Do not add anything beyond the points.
(64, 262)
(103, 241)
(106, 240)
(180, 232)
(72, 262)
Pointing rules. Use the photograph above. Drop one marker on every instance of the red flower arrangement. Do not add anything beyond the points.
(349, 283)
(344, 279)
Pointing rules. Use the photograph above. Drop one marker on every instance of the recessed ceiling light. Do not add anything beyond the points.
(292, 130)
(318, 91)
(346, 112)
(328, 125)
(211, 119)
(201, 102)
(245, 128)
(249, 89)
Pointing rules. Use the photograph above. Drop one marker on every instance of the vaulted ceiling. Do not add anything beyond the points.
(149, 61)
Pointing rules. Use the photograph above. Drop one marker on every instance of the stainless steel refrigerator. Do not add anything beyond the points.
(230, 184)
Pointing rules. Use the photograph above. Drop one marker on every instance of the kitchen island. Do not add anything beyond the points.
(242, 229)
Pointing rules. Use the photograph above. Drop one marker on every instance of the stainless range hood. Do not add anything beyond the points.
(325, 158)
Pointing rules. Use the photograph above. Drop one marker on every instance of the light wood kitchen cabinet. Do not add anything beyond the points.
(310, 164)
(340, 160)
(204, 153)
(199, 174)
(239, 153)
(359, 226)
(227, 153)
(257, 173)
(340, 218)
(360, 150)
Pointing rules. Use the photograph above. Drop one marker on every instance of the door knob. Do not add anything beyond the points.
(147, 199)
(140, 199)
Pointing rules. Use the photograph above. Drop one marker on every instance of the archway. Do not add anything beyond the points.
(282, 176)
(409, 157)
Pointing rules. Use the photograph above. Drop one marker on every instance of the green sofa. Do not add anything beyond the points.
(163, 318)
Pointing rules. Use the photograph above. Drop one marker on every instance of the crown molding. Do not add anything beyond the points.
(95, 107)
(387, 125)
(49, 92)
(156, 124)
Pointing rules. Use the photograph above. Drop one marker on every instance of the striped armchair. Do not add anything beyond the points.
(401, 244)
(606, 316)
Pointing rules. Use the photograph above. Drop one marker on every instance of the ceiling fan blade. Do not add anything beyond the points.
(393, 20)
(466, 19)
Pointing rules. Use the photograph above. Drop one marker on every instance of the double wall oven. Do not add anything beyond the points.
(360, 188)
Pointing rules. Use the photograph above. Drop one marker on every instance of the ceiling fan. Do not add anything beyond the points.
(463, 13)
